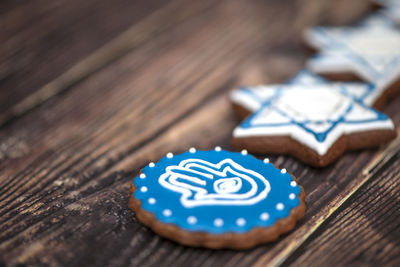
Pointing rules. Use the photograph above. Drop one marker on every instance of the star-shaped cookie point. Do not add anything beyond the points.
(370, 50)
(247, 100)
(313, 122)
(391, 9)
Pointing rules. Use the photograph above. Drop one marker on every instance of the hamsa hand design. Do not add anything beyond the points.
(225, 183)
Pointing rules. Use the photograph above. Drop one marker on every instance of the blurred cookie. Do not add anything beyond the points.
(369, 51)
(391, 8)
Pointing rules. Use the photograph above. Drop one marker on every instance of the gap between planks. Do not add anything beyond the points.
(303, 234)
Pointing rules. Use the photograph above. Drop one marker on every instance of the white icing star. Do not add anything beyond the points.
(252, 98)
(315, 115)
(370, 50)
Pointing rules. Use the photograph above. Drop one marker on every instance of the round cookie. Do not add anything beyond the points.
(217, 199)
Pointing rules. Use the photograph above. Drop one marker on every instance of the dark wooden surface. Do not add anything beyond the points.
(90, 91)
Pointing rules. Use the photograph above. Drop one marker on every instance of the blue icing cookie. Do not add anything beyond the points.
(216, 192)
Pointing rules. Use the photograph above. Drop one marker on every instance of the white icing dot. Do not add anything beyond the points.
(240, 222)
(218, 222)
(244, 152)
(217, 148)
(293, 183)
(152, 200)
(151, 164)
(283, 171)
(192, 220)
(142, 176)
(280, 206)
(170, 155)
(143, 189)
(192, 150)
(167, 212)
(292, 196)
(264, 216)
(266, 160)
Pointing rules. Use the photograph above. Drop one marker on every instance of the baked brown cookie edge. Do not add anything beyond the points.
(287, 145)
(236, 241)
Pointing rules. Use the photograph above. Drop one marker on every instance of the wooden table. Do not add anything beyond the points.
(91, 91)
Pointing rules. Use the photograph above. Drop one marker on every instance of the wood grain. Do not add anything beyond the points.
(161, 85)
(43, 39)
(366, 229)
(27, 94)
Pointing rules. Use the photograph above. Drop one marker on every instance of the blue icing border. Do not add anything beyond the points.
(168, 207)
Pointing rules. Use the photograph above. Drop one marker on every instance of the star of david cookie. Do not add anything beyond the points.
(316, 124)
(217, 199)
(369, 51)
(247, 100)
(391, 8)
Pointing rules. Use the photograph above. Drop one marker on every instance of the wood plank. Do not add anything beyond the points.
(71, 128)
(35, 31)
(356, 174)
(113, 189)
(92, 201)
(366, 229)
(15, 145)
(43, 39)
(123, 87)
(64, 195)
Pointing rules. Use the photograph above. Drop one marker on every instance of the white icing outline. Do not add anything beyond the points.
(227, 196)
